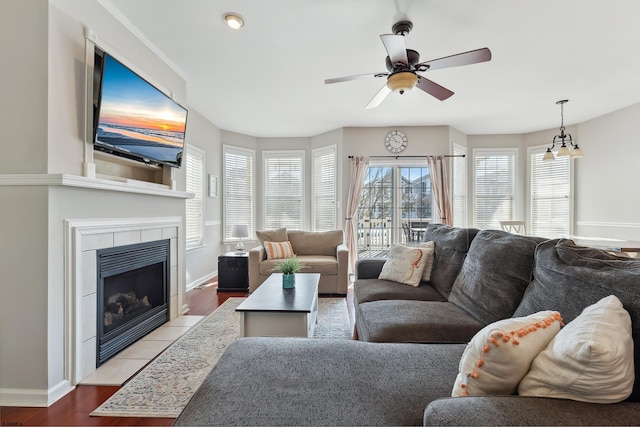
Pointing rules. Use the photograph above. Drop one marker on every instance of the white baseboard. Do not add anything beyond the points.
(201, 280)
(34, 397)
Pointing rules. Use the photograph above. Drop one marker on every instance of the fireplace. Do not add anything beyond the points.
(132, 294)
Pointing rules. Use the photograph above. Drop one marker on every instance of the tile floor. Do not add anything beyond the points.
(129, 361)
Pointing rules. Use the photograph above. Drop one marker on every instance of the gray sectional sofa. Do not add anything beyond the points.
(402, 370)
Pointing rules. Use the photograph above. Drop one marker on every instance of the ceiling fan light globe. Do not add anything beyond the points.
(402, 82)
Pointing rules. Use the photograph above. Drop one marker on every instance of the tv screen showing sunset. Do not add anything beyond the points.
(137, 118)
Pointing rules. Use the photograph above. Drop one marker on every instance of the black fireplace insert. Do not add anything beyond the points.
(133, 294)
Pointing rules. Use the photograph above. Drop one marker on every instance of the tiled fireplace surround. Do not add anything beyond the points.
(82, 239)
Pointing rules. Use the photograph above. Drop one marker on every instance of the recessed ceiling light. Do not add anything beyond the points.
(233, 20)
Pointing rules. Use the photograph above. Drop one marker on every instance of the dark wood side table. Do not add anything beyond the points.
(233, 272)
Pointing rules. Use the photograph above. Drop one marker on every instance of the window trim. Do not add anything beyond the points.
(252, 227)
(200, 154)
(298, 154)
(517, 197)
(320, 152)
(529, 219)
(460, 150)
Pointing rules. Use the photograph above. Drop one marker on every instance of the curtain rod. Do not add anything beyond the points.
(412, 157)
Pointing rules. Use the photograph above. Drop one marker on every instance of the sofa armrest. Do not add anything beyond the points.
(256, 256)
(342, 257)
(520, 410)
(369, 268)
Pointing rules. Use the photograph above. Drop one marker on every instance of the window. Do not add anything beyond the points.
(323, 189)
(396, 206)
(459, 187)
(239, 206)
(550, 194)
(195, 206)
(494, 187)
(283, 189)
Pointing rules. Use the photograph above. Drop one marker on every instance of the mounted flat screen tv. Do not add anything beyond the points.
(134, 119)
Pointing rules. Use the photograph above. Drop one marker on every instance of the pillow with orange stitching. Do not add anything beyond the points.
(500, 354)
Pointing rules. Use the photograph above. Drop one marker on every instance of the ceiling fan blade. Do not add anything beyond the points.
(465, 58)
(356, 77)
(378, 98)
(395, 48)
(433, 89)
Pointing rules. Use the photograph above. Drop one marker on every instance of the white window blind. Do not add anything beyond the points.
(550, 195)
(283, 189)
(459, 186)
(494, 187)
(195, 206)
(239, 206)
(323, 189)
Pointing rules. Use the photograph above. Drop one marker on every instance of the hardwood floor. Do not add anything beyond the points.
(74, 408)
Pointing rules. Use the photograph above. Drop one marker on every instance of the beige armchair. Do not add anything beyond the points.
(321, 252)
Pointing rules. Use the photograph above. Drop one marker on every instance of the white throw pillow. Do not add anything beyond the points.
(500, 354)
(404, 265)
(590, 360)
(428, 262)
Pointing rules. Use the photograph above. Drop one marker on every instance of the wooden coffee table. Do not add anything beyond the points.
(271, 311)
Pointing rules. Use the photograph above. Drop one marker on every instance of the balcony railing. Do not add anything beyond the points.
(375, 236)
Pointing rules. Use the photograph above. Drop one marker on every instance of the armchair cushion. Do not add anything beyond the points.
(315, 243)
(279, 235)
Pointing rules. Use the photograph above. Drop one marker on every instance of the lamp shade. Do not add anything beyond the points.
(240, 231)
(402, 82)
(577, 152)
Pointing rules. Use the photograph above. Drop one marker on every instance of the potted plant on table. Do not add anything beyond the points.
(289, 267)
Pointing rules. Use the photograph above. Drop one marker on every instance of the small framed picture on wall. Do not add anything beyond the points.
(213, 186)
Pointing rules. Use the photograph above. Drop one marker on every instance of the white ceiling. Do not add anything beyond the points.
(267, 79)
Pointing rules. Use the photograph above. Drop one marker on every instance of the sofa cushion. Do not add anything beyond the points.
(315, 243)
(568, 278)
(279, 235)
(404, 265)
(428, 261)
(366, 290)
(296, 382)
(451, 246)
(278, 250)
(414, 322)
(500, 355)
(590, 359)
(311, 264)
(494, 275)
(527, 411)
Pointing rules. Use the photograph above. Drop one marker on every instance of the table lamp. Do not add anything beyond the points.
(240, 231)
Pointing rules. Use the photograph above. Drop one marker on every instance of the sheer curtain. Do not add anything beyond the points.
(440, 186)
(359, 166)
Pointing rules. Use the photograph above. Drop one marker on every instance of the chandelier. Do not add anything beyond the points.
(567, 146)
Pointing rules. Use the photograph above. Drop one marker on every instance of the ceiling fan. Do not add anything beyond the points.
(403, 66)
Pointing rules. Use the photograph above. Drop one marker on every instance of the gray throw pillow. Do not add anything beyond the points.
(494, 275)
(568, 278)
(451, 246)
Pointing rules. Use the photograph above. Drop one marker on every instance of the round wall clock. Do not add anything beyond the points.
(395, 141)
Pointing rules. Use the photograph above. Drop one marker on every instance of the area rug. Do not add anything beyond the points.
(165, 386)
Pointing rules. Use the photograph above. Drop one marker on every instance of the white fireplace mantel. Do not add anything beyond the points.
(65, 180)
